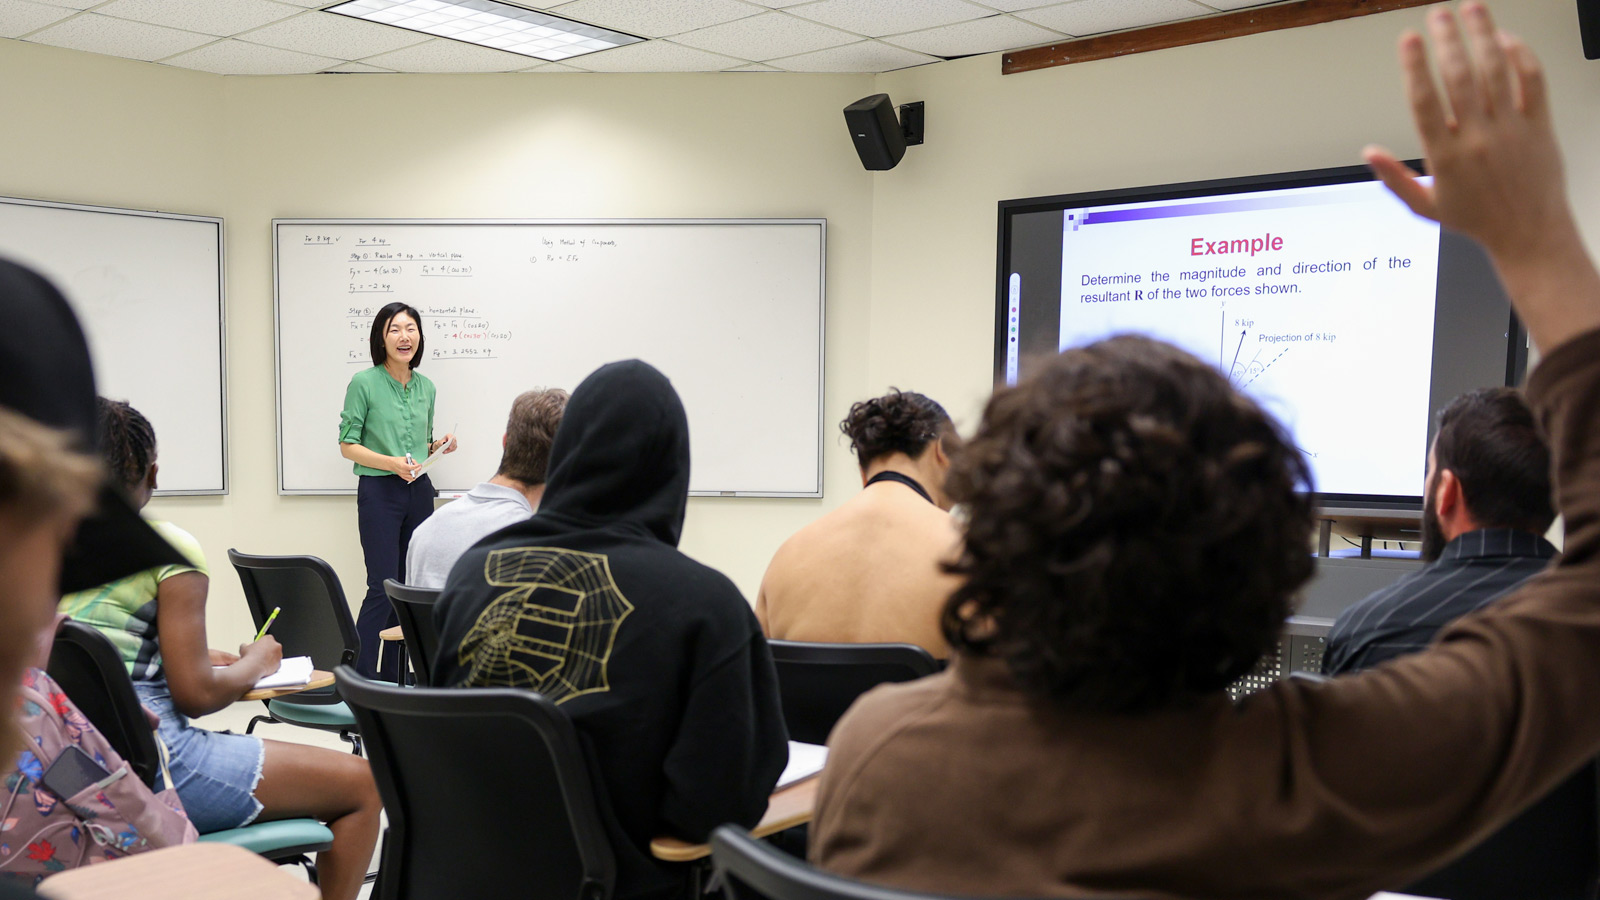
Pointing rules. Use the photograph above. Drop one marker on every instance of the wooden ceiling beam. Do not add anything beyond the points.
(1197, 31)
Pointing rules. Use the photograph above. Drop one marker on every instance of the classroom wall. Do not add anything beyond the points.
(1297, 99)
(911, 251)
(115, 132)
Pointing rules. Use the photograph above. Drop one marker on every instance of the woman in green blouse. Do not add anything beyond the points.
(386, 430)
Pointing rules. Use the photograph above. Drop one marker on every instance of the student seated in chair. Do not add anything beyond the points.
(512, 495)
(1133, 540)
(157, 620)
(869, 571)
(656, 658)
(1486, 507)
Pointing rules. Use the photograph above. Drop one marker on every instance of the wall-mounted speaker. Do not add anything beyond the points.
(880, 137)
(1589, 27)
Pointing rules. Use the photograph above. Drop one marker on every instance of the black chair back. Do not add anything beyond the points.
(818, 682)
(486, 791)
(314, 620)
(87, 666)
(749, 869)
(413, 606)
(1550, 852)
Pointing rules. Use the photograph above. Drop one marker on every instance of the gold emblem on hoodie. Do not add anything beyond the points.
(553, 629)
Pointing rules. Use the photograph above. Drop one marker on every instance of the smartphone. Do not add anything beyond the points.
(73, 771)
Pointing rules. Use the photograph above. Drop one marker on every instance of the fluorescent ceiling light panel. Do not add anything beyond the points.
(490, 23)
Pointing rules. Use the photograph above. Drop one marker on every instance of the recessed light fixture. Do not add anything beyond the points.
(490, 23)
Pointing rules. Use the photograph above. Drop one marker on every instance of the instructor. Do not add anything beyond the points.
(386, 429)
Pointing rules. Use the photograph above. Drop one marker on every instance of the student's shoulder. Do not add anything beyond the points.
(871, 728)
(182, 541)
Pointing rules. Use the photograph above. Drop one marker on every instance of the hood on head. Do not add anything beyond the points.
(622, 452)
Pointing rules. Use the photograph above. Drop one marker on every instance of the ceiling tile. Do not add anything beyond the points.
(754, 67)
(553, 69)
(119, 37)
(876, 18)
(1083, 17)
(355, 67)
(444, 55)
(18, 17)
(204, 16)
(326, 34)
(1014, 5)
(1238, 4)
(781, 4)
(864, 56)
(767, 36)
(657, 18)
(656, 56)
(981, 36)
(71, 4)
(309, 4)
(240, 58)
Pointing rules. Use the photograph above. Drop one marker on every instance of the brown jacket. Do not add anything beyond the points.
(958, 783)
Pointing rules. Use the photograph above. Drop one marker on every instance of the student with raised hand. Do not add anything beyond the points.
(868, 572)
(513, 494)
(1133, 538)
(386, 431)
(157, 621)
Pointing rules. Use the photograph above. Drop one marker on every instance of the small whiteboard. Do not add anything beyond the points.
(731, 310)
(148, 288)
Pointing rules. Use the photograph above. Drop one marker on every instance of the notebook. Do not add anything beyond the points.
(294, 671)
(805, 760)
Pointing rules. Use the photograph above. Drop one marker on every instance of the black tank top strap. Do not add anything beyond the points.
(906, 480)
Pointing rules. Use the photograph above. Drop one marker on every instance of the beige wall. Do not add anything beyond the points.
(911, 251)
(1288, 100)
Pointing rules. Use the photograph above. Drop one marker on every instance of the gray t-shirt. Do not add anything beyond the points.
(441, 539)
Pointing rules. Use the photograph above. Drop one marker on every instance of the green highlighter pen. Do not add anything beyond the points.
(267, 624)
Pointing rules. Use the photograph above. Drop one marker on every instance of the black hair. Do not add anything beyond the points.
(1490, 440)
(1134, 533)
(899, 421)
(127, 441)
(380, 325)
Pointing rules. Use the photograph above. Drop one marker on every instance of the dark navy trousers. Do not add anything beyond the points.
(389, 509)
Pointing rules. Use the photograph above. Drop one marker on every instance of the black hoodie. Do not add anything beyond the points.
(657, 659)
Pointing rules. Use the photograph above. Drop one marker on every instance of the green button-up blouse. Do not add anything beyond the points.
(387, 417)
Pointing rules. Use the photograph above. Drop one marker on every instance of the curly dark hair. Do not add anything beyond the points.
(899, 421)
(127, 441)
(1134, 530)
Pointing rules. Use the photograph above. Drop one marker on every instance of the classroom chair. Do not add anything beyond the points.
(486, 791)
(1549, 852)
(90, 671)
(314, 621)
(818, 682)
(413, 606)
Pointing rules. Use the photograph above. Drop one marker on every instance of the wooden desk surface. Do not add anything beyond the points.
(789, 807)
(391, 634)
(319, 679)
(192, 871)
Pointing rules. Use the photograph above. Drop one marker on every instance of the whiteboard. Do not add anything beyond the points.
(148, 288)
(731, 310)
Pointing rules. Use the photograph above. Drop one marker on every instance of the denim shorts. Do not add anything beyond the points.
(216, 772)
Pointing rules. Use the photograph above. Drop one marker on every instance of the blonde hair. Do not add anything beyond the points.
(41, 472)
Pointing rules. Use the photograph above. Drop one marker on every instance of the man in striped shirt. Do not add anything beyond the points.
(1486, 508)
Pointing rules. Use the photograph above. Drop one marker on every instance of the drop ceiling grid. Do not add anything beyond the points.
(861, 36)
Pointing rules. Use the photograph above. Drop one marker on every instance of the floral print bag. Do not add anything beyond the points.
(41, 833)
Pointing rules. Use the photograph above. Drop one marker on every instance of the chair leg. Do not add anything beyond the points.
(354, 737)
(251, 728)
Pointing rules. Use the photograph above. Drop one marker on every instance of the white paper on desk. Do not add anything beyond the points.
(805, 760)
(292, 672)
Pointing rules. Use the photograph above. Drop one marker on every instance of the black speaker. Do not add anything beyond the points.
(876, 132)
(1589, 27)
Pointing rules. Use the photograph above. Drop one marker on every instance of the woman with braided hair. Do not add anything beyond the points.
(157, 621)
(868, 572)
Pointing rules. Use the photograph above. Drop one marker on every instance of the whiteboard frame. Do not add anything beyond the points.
(822, 324)
(222, 312)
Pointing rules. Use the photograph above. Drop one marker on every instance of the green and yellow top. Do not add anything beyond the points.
(387, 417)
